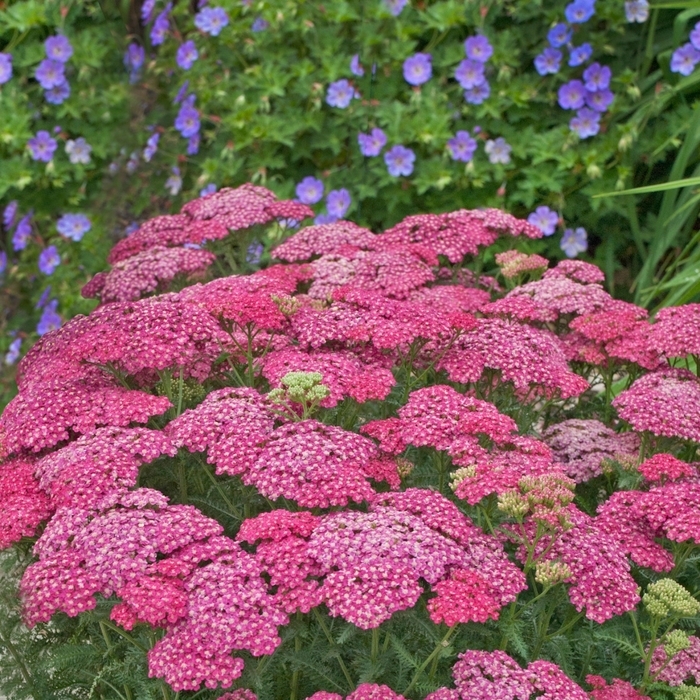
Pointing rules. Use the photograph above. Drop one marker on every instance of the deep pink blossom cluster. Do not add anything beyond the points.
(617, 690)
(324, 239)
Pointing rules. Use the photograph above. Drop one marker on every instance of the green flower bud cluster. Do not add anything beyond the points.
(513, 504)
(687, 692)
(666, 597)
(302, 388)
(461, 474)
(676, 641)
(550, 573)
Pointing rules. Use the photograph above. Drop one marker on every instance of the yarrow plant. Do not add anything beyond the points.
(359, 466)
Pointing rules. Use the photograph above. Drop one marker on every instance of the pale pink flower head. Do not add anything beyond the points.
(676, 330)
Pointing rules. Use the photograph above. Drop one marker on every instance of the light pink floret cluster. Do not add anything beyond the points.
(676, 330)
(324, 239)
(684, 665)
(582, 445)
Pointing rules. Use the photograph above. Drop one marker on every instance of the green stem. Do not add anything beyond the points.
(217, 486)
(179, 395)
(24, 671)
(442, 644)
(122, 633)
(182, 480)
(375, 645)
(649, 654)
(330, 639)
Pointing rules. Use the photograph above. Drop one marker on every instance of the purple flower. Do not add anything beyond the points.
(259, 25)
(572, 95)
(147, 10)
(151, 147)
(470, 73)
(43, 298)
(59, 94)
(695, 37)
(193, 145)
(325, 219)
(461, 147)
(418, 69)
(50, 73)
(637, 10)
(42, 146)
(371, 144)
(338, 202)
(574, 242)
(254, 253)
(174, 183)
(78, 151)
(58, 48)
(478, 94)
(340, 93)
(181, 93)
(580, 11)
(684, 59)
(395, 6)
(548, 61)
(599, 100)
(498, 150)
(545, 219)
(9, 213)
(586, 123)
(580, 54)
(13, 354)
(5, 67)
(209, 189)
(22, 233)
(161, 26)
(559, 35)
(187, 120)
(73, 226)
(211, 20)
(50, 320)
(134, 57)
(399, 160)
(478, 48)
(355, 67)
(49, 260)
(309, 190)
(597, 77)
(186, 55)
(3, 261)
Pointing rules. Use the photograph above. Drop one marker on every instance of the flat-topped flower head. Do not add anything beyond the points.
(666, 467)
(676, 330)
(618, 689)
(323, 239)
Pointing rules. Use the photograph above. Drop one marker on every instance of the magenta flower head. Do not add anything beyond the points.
(572, 95)
(211, 20)
(684, 59)
(637, 10)
(186, 55)
(580, 54)
(50, 320)
(371, 144)
(418, 69)
(22, 233)
(395, 6)
(399, 160)
(559, 35)
(548, 61)
(73, 226)
(5, 67)
(309, 190)
(586, 123)
(545, 219)
(478, 48)
(42, 146)
(49, 260)
(58, 48)
(461, 147)
(574, 242)
(579, 11)
(161, 26)
(478, 94)
(338, 202)
(355, 67)
(340, 93)
(597, 77)
(50, 73)
(470, 73)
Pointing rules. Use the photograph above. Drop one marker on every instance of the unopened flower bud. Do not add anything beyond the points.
(666, 597)
(676, 641)
(550, 573)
